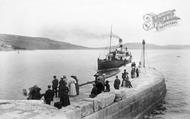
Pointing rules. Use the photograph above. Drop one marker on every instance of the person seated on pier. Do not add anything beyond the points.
(94, 91)
(34, 93)
(63, 93)
(107, 85)
(100, 84)
(55, 85)
(48, 96)
(117, 83)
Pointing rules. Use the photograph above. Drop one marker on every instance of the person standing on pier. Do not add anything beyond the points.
(125, 78)
(76, 84)
(66, 80)
(48, 96)
(133, 72)
(137, 72)
(107, 85)
(117, 83)
(63, 93)
(71, 86)
(55, 85)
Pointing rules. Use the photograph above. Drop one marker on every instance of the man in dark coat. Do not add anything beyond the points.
(48, 96)
(55, 85)
(133, 72)
(116, 83)
(63, 93)
(124, 76)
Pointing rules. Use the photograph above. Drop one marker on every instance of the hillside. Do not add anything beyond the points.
(151, 46)
(33, 43)
(14, 42)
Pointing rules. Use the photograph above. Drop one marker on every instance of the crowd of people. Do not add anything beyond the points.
(125, 81)
(63, 88)
(69, 87)
(99, 86)
(135, 70)
(102, 85)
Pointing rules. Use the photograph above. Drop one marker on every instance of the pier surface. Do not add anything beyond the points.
(129, 103)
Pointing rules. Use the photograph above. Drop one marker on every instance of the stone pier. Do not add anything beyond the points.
(125, 103)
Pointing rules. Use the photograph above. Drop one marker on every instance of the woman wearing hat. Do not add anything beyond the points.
(125, 78)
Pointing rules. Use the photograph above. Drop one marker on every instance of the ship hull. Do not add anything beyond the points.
(106, 65)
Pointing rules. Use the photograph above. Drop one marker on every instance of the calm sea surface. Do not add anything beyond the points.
(27, 68)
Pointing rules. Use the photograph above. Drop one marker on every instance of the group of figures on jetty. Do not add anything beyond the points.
(102, 85)
(63, 88)
(69, 87)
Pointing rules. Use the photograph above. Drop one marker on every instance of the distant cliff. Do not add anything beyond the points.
(13, 42)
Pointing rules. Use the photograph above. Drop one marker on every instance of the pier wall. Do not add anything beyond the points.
(124, 103)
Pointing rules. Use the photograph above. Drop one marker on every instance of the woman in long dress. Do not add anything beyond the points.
(72, 88)
(63, 93)
(76, 84)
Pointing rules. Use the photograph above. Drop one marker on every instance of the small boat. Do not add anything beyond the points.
(115, 58)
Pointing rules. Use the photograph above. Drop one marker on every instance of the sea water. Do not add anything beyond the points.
(23, 69)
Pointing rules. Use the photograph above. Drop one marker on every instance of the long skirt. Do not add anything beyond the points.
(72, 91)
(65, 100)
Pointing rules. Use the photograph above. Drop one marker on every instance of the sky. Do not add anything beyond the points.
(88, 22)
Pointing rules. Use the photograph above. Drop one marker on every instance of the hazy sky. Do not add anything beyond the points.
(88, 22)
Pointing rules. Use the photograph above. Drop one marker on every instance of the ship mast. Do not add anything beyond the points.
(143, 43)
(110, 39)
